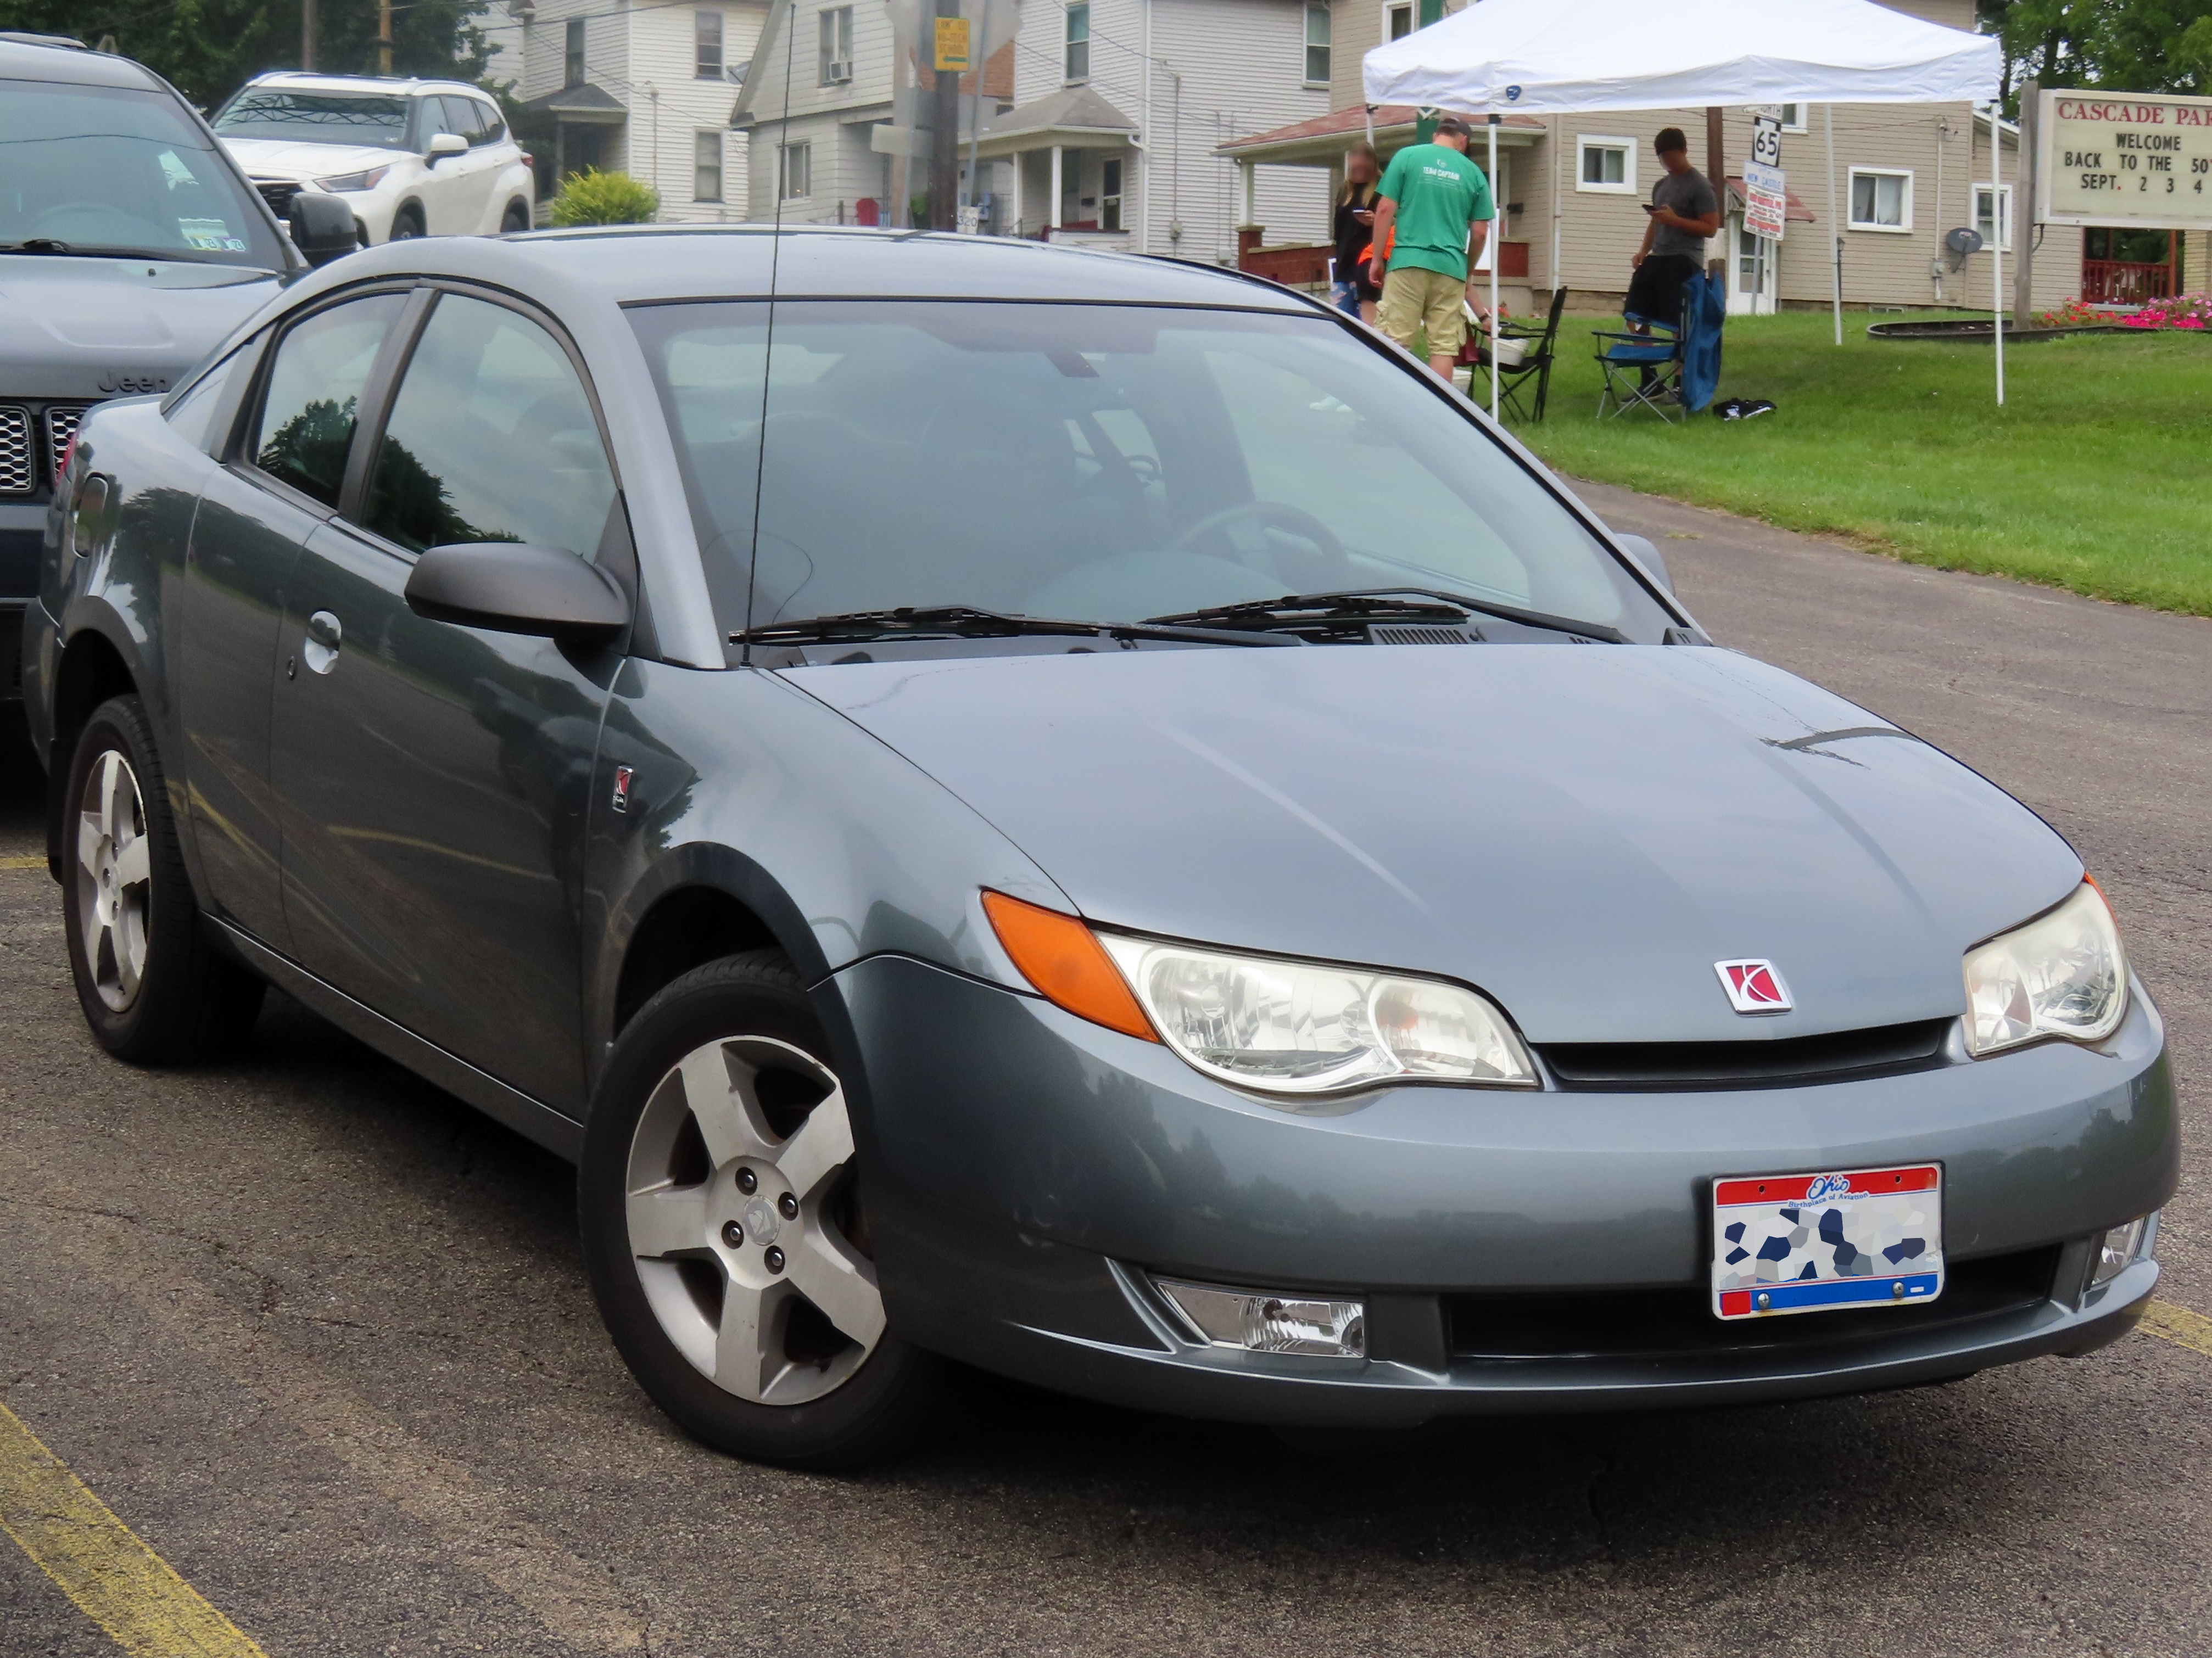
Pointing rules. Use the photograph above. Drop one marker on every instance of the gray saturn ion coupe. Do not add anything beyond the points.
(1073, 814)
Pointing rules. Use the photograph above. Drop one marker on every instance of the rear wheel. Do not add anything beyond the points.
(721, 1202)
(152, 989)
(516, 219)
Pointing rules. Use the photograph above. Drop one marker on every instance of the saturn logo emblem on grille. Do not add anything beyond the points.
(1754, 986)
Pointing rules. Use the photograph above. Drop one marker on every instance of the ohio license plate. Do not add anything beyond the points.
(1811, 1243)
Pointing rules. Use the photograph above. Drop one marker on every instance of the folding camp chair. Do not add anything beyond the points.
(1625, 358)
(1513, 377)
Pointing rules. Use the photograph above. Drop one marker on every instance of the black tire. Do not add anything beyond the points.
(516, 219)
(178, 999)
(407, 224)
(879, 1405)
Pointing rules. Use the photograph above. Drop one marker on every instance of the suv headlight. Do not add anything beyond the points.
(2062, 974)
(1308, 1028)
(354, 181)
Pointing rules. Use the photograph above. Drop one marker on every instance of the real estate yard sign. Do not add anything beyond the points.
(2124, 159)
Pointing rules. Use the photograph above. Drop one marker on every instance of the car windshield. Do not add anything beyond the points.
(114, 170)
(1093, 463)
(316, 118)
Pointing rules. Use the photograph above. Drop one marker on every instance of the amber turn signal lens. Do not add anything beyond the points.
(1058, 955)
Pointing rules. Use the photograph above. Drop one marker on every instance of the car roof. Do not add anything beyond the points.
(391, 85)
(21, 61)
(641, 264)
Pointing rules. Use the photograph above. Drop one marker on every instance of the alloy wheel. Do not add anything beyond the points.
(744, 1224)
(114, 878)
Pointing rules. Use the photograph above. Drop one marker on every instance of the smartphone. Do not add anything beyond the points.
(1651, 207)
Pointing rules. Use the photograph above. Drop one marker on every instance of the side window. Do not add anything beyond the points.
(315, 383)
(491, 439)
(491, 127)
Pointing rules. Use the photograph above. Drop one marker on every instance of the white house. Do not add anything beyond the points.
(1099, 121)
(634, 86)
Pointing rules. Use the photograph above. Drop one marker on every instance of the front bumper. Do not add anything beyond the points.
(1028, 1171)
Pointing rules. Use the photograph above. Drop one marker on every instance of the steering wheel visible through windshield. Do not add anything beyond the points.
(115, 171)
(1092, 463)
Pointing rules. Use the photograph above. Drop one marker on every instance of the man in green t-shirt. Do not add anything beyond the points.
(1432, 215)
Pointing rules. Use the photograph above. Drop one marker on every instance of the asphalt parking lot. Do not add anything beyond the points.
(318, 1335)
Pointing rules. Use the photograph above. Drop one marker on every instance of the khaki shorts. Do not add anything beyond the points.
(1413, 297)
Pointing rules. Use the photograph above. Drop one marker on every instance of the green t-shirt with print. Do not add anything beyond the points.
(1439, 193)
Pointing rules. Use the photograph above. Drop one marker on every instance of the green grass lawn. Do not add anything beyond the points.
(2096, 474)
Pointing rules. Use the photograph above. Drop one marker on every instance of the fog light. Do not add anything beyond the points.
(1271, 1321)
(2117, 1251)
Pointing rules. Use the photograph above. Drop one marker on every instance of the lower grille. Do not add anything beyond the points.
(1791, 1062)
(278, 193)
(18, 469)
(1673, 1323)
(61, 426)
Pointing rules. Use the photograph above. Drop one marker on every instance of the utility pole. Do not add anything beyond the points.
(384, 37)
(1716, 175)
(948, 57)
(307, 34)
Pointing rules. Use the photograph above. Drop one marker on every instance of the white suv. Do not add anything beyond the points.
(413, 158)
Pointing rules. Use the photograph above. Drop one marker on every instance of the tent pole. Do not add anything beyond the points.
(1835, 224)
(1996, 241)
(1496, 259)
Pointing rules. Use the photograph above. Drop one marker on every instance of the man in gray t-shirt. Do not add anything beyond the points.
(1684, 213)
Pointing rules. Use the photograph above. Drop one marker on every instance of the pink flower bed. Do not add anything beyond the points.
(2182, 311)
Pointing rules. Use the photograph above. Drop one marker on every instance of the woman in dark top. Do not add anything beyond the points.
(1353, 227)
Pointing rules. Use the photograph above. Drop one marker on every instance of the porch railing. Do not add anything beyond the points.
(2125, 281)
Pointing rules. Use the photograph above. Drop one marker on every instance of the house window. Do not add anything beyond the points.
(707, 41)
(1109, 194)
(1608, 166)
(705, 167)
(1398, 20)
(1078, 40)
(1993, 217)
(1881, 199)
(1793, 117)
(571, 71)
(1316, 43)
(836, 60)
(794, 171)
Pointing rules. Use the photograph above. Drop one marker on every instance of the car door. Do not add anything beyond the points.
(432, 777)
(460, 187)
(282, 478)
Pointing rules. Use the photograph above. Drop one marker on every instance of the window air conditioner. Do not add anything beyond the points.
(840, 71)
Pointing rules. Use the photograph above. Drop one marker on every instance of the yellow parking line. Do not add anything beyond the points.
(116, 1579)
(22, 863)
(2179, 1326)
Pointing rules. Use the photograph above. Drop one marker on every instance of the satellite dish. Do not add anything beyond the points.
(1963, 241)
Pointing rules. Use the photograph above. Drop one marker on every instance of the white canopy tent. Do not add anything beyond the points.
(1558, 56)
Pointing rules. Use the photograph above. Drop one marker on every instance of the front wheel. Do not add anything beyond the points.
(407, 224)
(720, 1198)
(152, 988)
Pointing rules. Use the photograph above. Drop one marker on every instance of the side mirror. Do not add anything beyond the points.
(509, 587)
(446, 143)
(323, 226)
(1648, 556)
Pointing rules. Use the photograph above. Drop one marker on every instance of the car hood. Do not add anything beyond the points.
(284, 158)
(100, 328)
(1582, 831)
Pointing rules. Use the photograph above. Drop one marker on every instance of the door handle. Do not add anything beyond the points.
(325, 635)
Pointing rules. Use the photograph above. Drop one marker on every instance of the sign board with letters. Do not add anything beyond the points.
(2124, 159)
(1765, 202)
(951, 44)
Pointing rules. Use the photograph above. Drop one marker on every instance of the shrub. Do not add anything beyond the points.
(2182, 311)
(595, 197)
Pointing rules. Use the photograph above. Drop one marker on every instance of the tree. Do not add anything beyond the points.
(208, 48)
(2119, 45)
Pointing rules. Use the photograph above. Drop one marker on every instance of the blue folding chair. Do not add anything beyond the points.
(1628, 359)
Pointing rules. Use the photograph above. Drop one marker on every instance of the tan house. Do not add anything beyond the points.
(1572, 187)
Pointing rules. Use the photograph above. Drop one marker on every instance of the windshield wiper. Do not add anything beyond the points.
(163, 255)
(1382, 603)
(967, 622)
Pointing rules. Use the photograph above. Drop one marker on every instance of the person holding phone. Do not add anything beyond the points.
(1682, 215)
(1353, 227)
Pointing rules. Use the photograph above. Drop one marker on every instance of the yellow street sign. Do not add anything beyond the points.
(952, 43)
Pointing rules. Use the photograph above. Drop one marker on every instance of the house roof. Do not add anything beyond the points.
(1796, 213)
(1319, 140)
(1076, 112)
(579, 103)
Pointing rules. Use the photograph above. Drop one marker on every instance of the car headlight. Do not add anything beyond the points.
(1308, 1028)
(2062, 974)
(354, 181)
(1261, 1023)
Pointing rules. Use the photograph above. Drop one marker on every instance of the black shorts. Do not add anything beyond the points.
(1655, 292)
